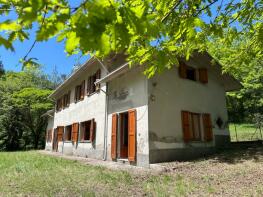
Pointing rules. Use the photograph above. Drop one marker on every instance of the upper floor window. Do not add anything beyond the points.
(66, 100)
(80, 92)
(191, 73)
(91, 87)
(59, 104)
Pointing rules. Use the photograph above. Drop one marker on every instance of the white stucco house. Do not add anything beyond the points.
(106, 110)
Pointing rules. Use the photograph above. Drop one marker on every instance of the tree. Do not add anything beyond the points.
(33, 103)
(245, 64)
(23, 99)
(2, 70)
(151, 32)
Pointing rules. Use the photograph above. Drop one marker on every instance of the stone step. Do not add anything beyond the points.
(123, 161)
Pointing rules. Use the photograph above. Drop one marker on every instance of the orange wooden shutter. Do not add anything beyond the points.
(203, 76)
(186, 126)
(114, 136)
(207, 124)
(76, 94)
(75, 131)
(132, 135)
(82, 90)
(182, 70)
(92, 130)
(98, 75)
(68, 100)
(72, 132)
(89, 86)
(60, 133)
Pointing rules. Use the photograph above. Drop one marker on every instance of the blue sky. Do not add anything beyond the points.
(50, 54)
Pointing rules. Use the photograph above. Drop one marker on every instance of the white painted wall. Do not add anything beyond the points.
(173, 94)
(129, 91)
(91, 107)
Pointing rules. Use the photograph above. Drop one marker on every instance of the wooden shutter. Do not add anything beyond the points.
(92, 130)
(75, 131)
(98, 75)
(76, 94)
(89, 86)
(186, 126)
(114, 136)
(132, 135)
(182, 70)
(203, 76)
(68, 99)
(82, 90)
(207, 124)
(60, 133)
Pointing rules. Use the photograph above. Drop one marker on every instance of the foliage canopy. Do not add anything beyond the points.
(152, 32)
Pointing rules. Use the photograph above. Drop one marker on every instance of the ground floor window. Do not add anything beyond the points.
(87, 130)
(196, 126)
(68, 131)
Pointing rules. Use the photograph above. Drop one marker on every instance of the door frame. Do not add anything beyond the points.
(123, 150)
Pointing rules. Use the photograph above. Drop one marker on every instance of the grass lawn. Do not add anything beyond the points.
(232, 173)
(244, 132)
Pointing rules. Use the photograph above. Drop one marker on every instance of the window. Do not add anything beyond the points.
(66, 100)
(68, 131)
(49, 135)
(59, 104)
(191, 124)
(80, 92)
(87, 130)
(195, 126)
(91, 87)
(188, 72)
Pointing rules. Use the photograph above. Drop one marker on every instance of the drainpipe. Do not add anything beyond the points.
(106, 112)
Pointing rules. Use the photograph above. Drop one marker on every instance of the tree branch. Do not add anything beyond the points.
(34, 43)
(199, 11)
(171, 10)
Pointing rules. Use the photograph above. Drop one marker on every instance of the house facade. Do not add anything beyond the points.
(106, 110)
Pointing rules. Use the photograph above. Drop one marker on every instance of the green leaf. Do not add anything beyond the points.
(72, 42)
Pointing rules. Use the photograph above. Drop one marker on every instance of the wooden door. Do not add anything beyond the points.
(55, 140)
(132, 135)
(114, 136)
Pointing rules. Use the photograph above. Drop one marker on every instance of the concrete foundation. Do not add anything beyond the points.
(166, 155)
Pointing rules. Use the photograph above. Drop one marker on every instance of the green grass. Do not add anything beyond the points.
(34, 174)
(244, 132)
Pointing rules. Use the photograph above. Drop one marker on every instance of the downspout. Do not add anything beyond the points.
(106, 112)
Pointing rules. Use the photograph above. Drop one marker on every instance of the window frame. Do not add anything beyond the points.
(83, 131)
(91, 87)
(189, 127)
